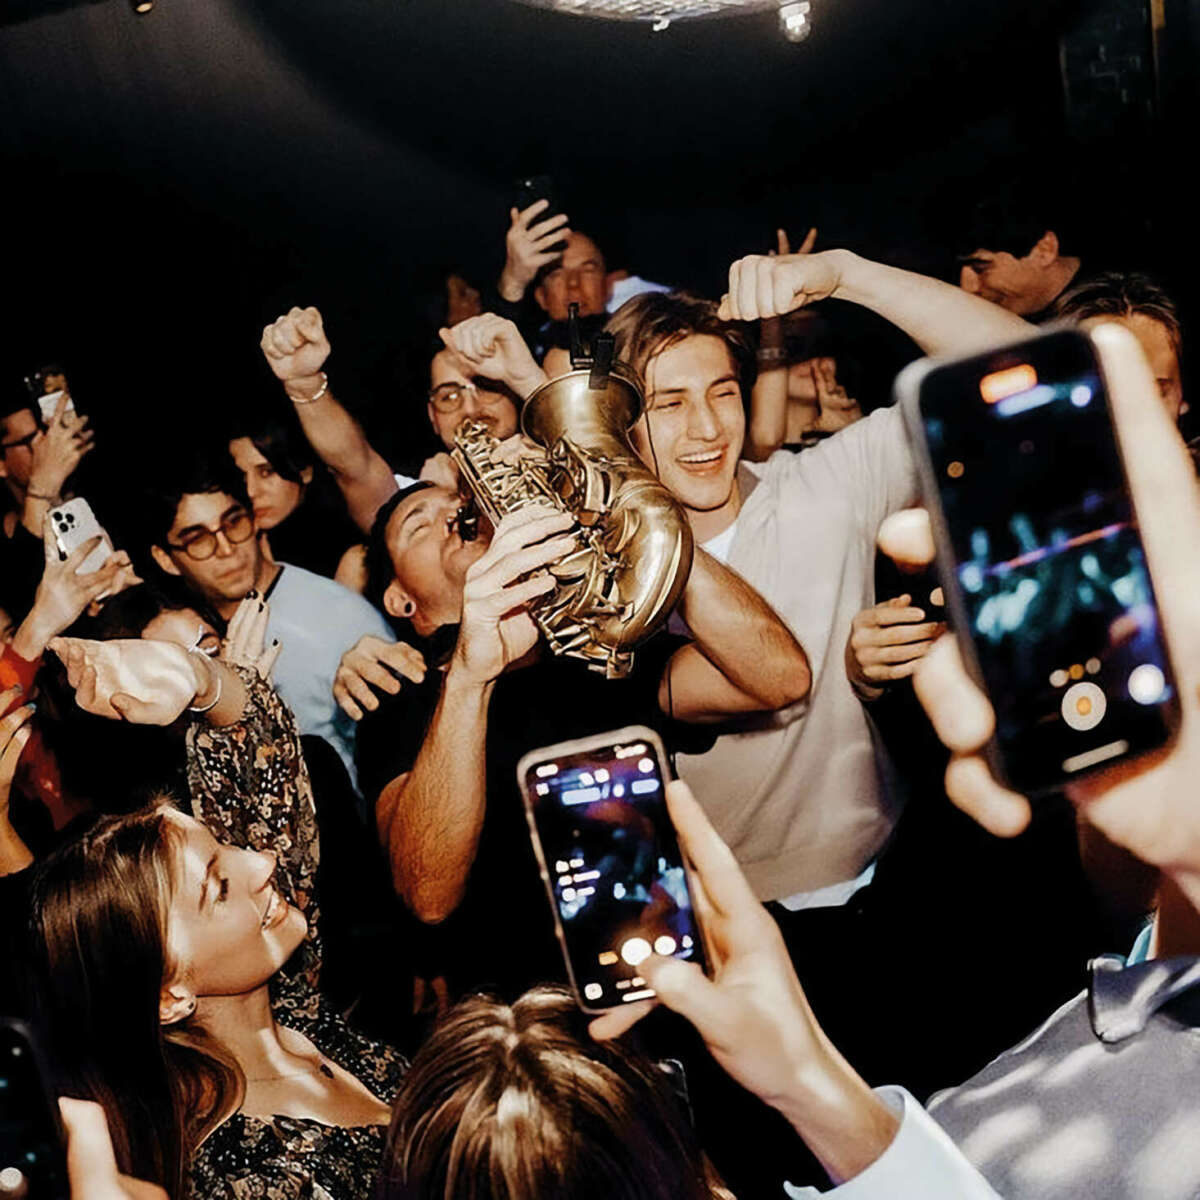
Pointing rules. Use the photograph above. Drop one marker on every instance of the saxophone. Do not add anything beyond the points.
(635, 543)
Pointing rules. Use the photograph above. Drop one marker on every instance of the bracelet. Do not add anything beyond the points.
(770, 356)
(317, 395)
(220, 682)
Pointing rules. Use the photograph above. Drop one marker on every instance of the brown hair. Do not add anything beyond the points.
(648, 324)
(1122, 294)
(518, 1103)
(100, 960)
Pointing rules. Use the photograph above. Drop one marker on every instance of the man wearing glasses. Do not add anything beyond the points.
(201, 530)
(296, 347)
(35, 464)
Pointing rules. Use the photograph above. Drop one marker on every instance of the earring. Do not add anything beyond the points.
(410, 607)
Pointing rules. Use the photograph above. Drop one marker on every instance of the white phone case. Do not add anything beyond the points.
(74, 523)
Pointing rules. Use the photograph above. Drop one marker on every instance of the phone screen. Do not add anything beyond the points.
(32, 1158)
(1052, 582)
(613, 865)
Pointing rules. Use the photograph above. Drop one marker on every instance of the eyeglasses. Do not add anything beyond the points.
(27, 440)
(449, 397)
(237, 527)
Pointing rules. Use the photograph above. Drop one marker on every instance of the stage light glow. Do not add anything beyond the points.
(794, 15)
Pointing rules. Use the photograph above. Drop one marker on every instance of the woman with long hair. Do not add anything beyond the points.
(175, 974)
(300, 516)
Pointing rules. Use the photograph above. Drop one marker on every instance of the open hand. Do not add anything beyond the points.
(63, 595)
(528, 245)
(246, 635)
(132, 679)
(496, 628)
(58, 450)
(752, 1012)
(366, 666)
(886, 642)
(1146, 804)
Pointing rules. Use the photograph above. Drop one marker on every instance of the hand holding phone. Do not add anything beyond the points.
(610, 860)
(59, 449)
(74, 523)
(1042, 564)
(536, 236)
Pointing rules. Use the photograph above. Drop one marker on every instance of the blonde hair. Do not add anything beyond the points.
(518, 1103)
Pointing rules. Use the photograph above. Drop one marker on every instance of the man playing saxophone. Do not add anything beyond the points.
(438, 759)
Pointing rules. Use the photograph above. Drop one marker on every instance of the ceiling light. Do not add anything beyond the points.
(793, 20)
(141, 7)
(659, 12)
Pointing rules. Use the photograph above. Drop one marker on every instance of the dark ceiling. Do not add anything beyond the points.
(175, 179)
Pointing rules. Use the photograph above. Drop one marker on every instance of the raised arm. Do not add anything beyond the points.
(766, 430)
(940, 318)
(295, 347)
(756, 1021)
(492, 346)
(430, 818)
(743, 659)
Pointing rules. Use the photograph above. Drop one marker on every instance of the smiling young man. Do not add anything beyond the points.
(201, 529)
(799, 796)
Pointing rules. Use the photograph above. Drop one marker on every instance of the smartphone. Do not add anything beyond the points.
(74, 523)
(614, 873)
(48, 405)
(1041, 563)
(46, 386)
(33, 1157)
(532, 188)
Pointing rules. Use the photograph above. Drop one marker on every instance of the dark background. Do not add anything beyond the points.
(174, 181)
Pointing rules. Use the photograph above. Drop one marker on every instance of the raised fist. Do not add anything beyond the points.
(295, 346)
(493, 347)
(762, 285)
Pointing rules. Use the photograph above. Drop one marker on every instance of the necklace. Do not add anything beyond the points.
(323, 1067)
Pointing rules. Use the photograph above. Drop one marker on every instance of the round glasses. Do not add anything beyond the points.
(237, 527)
(450, 397)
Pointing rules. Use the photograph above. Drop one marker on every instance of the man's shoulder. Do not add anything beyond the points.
(311, 588)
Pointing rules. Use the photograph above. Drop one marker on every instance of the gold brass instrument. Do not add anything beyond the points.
(635, 541)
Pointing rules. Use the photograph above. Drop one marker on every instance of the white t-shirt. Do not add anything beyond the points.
(798, 795)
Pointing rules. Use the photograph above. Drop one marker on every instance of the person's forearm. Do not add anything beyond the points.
(742, 636)
(767, 428)
(430, 821)
(526, 382)
(34, 510)
(940, 318)
(218, 684)
(332, 432)
(338, 439)
(841, 1120)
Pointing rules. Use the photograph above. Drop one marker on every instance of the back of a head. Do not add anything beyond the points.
(1013, 220)
(1122, 294)
(518, 1103)
(653, 321)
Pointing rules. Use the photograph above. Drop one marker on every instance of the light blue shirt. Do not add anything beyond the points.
(316, 621)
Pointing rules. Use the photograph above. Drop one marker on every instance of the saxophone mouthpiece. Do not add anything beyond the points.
(466, 521)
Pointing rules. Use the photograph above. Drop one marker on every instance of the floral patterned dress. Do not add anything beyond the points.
(249, 785)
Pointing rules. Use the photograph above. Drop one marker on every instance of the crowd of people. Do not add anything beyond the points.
(267, 893)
